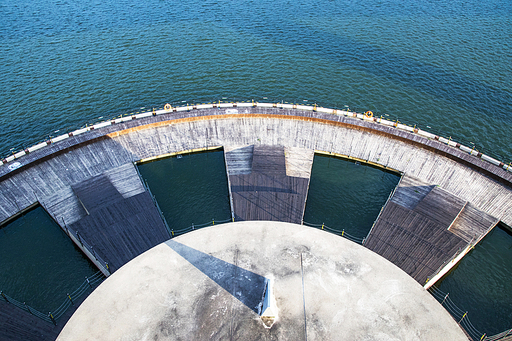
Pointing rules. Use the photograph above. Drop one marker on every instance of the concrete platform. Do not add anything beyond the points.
(208, 284)
(268, 182)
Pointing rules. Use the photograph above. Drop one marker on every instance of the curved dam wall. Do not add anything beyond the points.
(45, 171)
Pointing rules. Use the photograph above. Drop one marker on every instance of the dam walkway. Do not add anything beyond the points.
(86, 180)
(110, 216)
(268, 182)
(422, 228)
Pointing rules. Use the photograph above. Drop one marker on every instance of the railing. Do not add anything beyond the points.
(155, 202)
(458, 314)
(156, 205)
(499, 336)
(86, 285)
(52, 317)
(462, 318)
(382, 208)
(341, 233)
(75, 235)
(227, 103)
(25, 307)
(175, 233)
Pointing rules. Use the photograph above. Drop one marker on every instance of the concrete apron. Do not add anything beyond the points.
(209, 284)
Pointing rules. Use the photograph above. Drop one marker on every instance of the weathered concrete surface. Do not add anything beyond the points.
(80, 157)
(205, 285)
(268, 182)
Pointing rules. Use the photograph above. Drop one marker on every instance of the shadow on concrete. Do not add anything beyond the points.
(246, 286)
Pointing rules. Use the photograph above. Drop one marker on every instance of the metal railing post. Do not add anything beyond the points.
(72, 303)
(463, 317)
(445, 298)
(50, 315)
(26, 307)
(5, 297)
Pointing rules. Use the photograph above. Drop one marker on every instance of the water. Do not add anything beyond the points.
(190, 189)
(345, 195)
(481, 283)
(443, 64)
(39, 264)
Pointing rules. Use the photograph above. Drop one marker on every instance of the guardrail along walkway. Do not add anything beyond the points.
(268, 182)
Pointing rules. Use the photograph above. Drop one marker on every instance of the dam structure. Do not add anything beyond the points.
(449, 197)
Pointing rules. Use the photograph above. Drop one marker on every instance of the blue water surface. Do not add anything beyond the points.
(444, 65)
(441, 64)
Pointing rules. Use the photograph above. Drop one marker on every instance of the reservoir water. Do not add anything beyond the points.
(443, 65)
(481, 283)
(347, 195)
(191, 189)
(39, 264)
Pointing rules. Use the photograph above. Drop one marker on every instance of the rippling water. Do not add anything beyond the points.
(481, 284)
(39, 264)
(190, 189)
(443, 64)
(347, 195)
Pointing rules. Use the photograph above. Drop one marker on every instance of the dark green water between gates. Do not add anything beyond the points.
(39, 264)
(482, 283)
(443, 65)
(347, 195)
(191, 189)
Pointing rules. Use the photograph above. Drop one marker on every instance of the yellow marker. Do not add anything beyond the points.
(322, 226)
(463, 317)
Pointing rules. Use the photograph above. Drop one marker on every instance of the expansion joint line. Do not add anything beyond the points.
(303, 298)
(235, 277)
